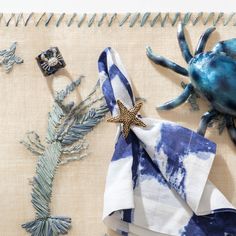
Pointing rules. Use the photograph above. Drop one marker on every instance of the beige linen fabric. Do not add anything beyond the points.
(26, 98)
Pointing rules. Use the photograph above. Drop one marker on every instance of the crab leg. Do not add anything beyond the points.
(203, 40)
(231, 128)
(179, 100)
(205, 120)
(183, 44)
(162, 61)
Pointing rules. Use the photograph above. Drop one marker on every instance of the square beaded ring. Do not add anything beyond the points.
(50, 61)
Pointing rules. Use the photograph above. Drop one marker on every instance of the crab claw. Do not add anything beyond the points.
(43, 57)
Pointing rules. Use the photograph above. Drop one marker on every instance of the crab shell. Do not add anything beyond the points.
(213, 75)
(53, 61)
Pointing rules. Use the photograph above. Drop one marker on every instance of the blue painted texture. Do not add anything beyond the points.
(177, 142)
(219, 223)
(214, 76)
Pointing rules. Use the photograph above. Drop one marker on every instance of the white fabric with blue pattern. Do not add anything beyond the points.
(157, 182)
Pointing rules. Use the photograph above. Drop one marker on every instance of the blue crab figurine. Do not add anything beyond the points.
(212, 75)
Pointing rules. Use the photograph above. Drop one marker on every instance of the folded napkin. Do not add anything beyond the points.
(157, 181)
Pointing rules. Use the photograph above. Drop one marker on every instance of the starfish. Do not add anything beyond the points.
(8, 58)
(128, 117)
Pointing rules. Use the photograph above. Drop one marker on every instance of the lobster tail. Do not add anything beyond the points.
(51, 226)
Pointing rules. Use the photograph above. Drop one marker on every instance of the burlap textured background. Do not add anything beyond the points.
(26, 98)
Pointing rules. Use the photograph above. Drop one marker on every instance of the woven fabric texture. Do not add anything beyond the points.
(26, 98)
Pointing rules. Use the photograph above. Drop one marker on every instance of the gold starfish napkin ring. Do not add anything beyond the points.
(128, 117)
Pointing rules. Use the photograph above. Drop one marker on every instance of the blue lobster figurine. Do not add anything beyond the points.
(212, 75)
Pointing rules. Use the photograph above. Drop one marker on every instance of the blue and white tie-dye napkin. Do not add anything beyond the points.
(157, 182)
